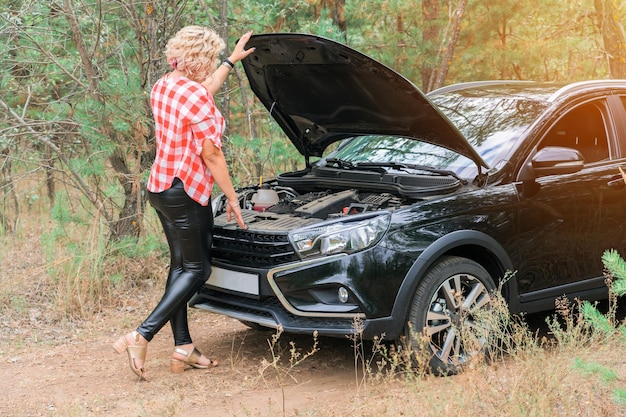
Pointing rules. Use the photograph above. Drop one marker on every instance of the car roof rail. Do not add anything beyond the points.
(582, 85)
(477, 84)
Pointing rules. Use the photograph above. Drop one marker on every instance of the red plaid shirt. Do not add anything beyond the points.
(185, 116)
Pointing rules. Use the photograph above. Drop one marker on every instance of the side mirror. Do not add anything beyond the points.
(557, 160)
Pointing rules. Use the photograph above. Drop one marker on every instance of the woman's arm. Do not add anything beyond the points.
(215, 80)
(213, 158)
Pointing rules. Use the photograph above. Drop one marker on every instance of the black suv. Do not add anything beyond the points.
(424, 203)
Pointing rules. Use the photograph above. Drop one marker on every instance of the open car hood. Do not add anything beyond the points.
(320, 91)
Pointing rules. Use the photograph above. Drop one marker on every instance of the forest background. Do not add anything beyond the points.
(76, 133)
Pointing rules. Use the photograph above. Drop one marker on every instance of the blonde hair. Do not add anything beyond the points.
(195, 50)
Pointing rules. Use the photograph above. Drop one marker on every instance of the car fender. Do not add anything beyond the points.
(451, 244)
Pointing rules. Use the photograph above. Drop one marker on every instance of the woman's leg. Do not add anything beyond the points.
(187, 226)
(178, 323)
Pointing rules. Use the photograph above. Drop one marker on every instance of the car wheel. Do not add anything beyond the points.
(446, 314)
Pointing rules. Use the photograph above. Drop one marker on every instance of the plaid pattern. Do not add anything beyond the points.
(185, 116)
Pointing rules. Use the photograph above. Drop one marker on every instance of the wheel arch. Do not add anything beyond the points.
(471, 244)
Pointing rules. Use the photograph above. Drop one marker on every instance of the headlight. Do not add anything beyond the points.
(217, 204)
(345, 236)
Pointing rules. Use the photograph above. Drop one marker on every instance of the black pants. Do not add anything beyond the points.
(188, 228)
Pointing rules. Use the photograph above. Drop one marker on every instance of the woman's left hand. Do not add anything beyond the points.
(240, 51)
(234, 209)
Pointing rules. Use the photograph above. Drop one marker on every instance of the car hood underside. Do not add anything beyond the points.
(320, 91)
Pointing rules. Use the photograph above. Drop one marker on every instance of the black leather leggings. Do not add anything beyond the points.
(188, 228)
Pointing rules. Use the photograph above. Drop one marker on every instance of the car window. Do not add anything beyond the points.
(583, 128)
(623, 99)
(620, 116)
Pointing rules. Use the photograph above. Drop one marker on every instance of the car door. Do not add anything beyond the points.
(568, 221)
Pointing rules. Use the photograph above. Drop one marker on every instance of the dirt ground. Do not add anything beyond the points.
(71, 370)
(76, 373)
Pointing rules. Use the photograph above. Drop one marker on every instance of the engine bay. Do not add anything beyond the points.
(324, 193)
(320, 204)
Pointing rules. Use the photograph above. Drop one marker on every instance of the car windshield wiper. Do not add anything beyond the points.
(348, 165)
(340, 163)
(398, 166)
(378, 166)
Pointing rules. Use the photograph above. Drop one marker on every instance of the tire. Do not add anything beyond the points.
(445, 328)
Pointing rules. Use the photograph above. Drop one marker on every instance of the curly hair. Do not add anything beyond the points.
(195, 50)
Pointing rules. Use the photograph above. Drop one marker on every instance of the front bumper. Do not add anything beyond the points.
(278, 301)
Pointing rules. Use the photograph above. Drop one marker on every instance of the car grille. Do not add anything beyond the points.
(265, 245)
(251, 249)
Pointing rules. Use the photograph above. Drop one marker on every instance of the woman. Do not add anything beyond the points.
(189, 160)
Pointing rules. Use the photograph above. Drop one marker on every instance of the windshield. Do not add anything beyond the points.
(491, 123)
(492, 120)
(400, 150)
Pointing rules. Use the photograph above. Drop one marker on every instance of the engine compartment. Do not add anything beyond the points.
(318, 204)
(324, 193)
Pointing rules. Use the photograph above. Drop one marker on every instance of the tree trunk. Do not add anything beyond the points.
(225, 101)
(450, 39)
(127, 223)
(613, 36)
(430, 34)
(336, 11)
(7, 185)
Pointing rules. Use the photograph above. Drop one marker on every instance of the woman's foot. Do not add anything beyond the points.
(189, 355)
(136, 346)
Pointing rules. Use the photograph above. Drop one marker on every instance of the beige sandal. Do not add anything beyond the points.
(178, 365)
(135, 351)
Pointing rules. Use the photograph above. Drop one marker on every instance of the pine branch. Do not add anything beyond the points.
(619, 287)
(596, 319)
(616, 265)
